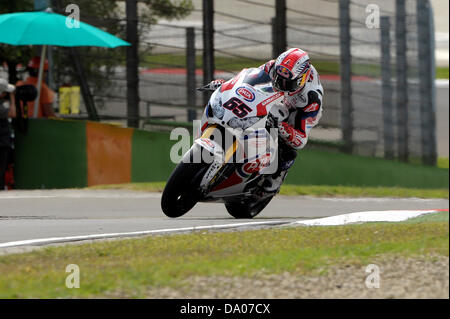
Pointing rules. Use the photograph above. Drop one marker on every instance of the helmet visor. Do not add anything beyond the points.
(282, 84)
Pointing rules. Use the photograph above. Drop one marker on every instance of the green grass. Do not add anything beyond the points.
(442, 72)
(238, 63)
(442, 162)
(132, 266)
(317, 167)
(235, 64)
(310, 190)
(179, 61)
(146, 187)
(434, 217)
(348, 191)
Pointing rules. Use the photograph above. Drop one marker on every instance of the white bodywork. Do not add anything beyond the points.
(243, 111)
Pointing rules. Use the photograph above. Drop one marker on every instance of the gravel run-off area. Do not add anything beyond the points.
(399, 277)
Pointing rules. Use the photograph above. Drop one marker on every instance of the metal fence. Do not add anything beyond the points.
(369, 67)
(393, 116)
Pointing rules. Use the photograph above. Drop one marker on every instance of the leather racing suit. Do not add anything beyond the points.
(305, 110)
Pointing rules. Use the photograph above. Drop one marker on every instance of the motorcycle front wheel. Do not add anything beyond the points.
(181, 192)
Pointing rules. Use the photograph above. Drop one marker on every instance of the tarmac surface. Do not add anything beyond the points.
(38, 214)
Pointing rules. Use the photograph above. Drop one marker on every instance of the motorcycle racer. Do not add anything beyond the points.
(293, 74)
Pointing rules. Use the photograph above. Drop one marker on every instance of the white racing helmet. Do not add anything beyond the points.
(291, 71)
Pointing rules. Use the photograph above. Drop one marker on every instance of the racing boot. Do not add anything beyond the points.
(287, 158)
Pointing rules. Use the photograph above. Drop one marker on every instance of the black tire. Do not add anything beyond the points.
(180, 194)
(248, 208)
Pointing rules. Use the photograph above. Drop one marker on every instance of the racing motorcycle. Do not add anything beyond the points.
(236, 149)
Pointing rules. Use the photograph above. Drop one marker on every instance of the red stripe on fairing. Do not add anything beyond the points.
(204, 126)
(261, 109)
(230, 83)
(230, 181)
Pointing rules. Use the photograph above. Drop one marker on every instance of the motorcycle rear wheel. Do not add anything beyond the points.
(247, 209)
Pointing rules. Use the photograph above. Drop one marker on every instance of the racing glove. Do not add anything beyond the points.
(293, 137)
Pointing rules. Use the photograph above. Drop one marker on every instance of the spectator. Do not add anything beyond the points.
(47, 95)
(6, 94)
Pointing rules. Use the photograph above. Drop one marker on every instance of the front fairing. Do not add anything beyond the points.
(241, 111)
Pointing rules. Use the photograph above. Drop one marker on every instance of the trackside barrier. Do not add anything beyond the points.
(70, 154)
(67, 153)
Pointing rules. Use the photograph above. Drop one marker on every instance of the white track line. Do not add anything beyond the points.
(374, 199)
(371, 216)
(441, 83)
(53, 240)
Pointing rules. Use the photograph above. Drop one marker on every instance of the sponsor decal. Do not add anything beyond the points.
(210, 173)
(312, 107)
(247, 94)
(284, 72)
(271, 99)
(255, 166)
(265, 160)
(257, 142)
(251, 167)
(261, 107)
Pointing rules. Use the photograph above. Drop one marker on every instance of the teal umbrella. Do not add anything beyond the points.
(48, 28)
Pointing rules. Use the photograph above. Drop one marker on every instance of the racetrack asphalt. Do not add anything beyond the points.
(38, 214)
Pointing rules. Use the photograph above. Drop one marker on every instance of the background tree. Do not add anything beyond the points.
(11, 56)
(100, 64)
